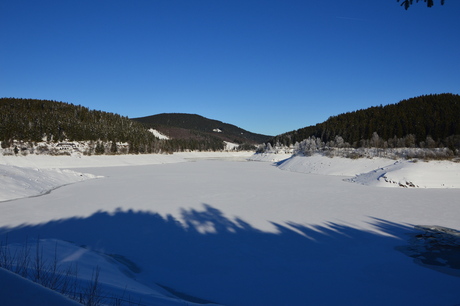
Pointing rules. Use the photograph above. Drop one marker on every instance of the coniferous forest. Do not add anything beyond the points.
(424, 121)
(44, 120)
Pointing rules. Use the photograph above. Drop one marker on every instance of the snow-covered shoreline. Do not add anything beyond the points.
(24, 176)
(83, 161)
(377, 172)
(32, 175)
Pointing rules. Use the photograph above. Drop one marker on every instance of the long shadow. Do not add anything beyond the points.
(228, 261)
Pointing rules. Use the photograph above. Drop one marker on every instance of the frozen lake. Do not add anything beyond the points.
(248, 233)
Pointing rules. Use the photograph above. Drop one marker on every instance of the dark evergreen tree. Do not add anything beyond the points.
(113, 147)
(99, 148)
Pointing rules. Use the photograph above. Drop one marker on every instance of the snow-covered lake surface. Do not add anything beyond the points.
(201, 228)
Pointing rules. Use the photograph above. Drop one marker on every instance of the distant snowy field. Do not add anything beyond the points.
(214, 227)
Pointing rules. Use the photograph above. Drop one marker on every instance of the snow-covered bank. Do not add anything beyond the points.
(319, 164)
(269, 157)
(433, 174)
(379, 172)
(19, 182)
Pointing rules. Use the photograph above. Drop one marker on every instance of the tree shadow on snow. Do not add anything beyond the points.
(228, 261)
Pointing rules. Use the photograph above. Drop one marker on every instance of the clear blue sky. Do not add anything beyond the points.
(267, 66)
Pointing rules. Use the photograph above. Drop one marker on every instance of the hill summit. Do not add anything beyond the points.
(194, 127)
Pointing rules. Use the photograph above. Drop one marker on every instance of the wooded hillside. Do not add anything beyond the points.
(196, 127)
(37, 120)
(430, 120)
(32, 120)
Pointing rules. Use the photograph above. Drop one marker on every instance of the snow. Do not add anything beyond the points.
(230, 145)
(380, 172)
(16, 290)
(116, 276)
(195, 226)
(339, 166)
(18, 182)
(158, 134)
(270, 157)
(78, 160)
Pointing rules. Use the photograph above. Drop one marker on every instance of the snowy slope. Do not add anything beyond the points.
(116, 275)
(270, 157)
(380, 172)
(158, 134)
(18, 182)
(15, 290)
(338, 166)
(433, 174)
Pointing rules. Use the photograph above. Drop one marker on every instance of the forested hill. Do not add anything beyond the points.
(429, 118)
(182, 126)
(35, 120)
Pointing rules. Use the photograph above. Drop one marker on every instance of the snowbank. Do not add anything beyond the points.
(269, 157)
(433, 174)
(18, 182)
(380, 172)
(318, 164)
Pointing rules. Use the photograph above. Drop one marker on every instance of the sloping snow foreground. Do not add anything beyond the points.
(17, 290)
(245, 233)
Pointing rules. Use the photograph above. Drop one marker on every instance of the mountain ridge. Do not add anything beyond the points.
(174, 124)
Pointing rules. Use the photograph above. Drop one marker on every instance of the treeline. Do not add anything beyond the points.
(206, 144)
(425, 121)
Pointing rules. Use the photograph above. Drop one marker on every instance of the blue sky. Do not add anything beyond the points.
(267, 66)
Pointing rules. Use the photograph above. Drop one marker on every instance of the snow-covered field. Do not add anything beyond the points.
(195, 228)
